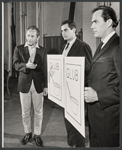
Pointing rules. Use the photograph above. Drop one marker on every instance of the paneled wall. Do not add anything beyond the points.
(53, 44)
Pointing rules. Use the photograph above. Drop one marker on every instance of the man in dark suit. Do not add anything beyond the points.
(103, 93)
(75, 48)
(30, 60)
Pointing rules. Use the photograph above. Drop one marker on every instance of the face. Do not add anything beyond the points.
(31, 37)
(99, 26)
(67, 33)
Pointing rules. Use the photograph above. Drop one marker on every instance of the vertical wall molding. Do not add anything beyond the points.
(37, 14)
(21, 41)
(42, 23)
(9, 39)
(3, 74)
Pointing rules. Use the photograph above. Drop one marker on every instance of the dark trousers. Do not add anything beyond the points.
(103, 139)
(73, 136)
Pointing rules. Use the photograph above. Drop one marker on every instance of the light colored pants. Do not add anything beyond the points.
(32, 97)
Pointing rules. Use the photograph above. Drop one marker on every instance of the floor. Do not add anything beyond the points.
(53, 129)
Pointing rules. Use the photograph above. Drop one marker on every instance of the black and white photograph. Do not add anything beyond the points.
(60, 74)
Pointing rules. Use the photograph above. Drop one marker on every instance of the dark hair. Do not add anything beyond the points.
(34, 28)
(70, 23)
(108, 13)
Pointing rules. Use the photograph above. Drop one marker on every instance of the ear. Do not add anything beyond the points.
(74, 30)
(109, 22)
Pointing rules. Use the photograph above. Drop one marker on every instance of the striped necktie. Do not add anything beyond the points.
(98, 49)
(67, 46)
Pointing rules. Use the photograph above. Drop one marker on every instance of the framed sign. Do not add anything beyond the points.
(55, 79)
(74, 85)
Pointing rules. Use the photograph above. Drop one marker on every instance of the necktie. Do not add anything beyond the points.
(98, 49)
(67, 46)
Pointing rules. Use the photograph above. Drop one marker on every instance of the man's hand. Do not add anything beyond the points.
(45, 91)
(90, 95)
(31, 65)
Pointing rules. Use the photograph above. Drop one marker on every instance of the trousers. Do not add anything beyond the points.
(103, 139)
(27, 99)
(73, 136)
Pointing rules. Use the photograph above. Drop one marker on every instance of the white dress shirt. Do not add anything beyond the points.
(32, 51)
(107, 38)
(66, 51)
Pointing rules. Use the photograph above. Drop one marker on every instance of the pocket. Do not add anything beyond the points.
(103, 59)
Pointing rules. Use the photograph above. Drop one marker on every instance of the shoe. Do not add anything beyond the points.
(26, 138)
(38, 140)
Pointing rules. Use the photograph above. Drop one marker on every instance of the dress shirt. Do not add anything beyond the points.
(107, 38)
(66, 51)
(32, 51)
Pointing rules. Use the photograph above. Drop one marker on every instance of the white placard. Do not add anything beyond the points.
(55, 79)
(74, 85)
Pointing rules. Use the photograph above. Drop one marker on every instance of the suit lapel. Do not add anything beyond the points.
(63, 48)
(25, 54)
(104, 48)
(36, 55)
(27, 51)
(37, 49)
(72, 48)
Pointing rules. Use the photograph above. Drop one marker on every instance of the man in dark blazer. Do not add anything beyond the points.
(30, 60)
(103, 93)
(75, 48)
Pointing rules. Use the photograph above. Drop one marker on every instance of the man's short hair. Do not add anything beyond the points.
(34, 28)
(70, 23)
(108, 13)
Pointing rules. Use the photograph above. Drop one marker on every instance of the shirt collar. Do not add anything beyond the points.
(108, 37)
(26, 44)
(71, 42)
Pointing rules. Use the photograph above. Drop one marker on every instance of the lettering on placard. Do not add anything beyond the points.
(72, 74)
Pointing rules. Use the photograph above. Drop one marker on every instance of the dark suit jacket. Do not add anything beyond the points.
(105, 79)
(39, 74)
(80, 48)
